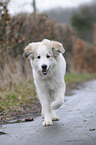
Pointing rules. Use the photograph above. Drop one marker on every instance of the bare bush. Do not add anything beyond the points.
(84, 57)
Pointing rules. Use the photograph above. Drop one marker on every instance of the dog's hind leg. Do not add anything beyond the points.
(58, 99)
(54, 116)
(53, 112)
(42, 115)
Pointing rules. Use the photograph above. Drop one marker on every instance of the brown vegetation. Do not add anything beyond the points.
(84, 57)
(17, 32)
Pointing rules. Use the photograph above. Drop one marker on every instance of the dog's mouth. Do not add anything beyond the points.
(44, 72)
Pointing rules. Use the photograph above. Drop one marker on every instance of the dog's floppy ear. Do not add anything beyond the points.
(28, 51)
(57, 47)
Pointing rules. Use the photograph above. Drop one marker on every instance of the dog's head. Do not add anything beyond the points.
(43, 55)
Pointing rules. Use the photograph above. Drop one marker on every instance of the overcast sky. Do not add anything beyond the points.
(16, 6)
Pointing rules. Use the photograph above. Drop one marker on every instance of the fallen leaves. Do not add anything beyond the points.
(20, 120)
(2, 133)
(92, 129)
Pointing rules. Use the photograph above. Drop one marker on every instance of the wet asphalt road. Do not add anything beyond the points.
(77, 125)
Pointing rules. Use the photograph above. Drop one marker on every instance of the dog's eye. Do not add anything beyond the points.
(39, 57)
(48, 56)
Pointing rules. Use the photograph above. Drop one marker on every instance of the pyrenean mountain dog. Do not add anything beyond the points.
(49, 67)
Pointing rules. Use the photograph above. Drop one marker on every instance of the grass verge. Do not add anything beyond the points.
(74, 78)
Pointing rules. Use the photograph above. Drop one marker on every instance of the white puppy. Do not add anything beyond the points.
(49, 67)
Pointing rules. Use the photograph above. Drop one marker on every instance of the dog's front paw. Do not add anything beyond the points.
(47, 123)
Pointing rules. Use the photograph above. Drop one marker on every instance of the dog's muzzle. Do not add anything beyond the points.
(44, 69)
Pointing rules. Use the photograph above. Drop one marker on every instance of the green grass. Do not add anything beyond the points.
(20, 94)
(70, 77)
(23, 92)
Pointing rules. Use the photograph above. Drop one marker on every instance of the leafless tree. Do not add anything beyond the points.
(34, 6)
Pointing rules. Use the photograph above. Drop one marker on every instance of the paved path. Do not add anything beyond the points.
(76, 127)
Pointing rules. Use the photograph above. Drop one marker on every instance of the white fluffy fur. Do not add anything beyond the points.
(50, 87)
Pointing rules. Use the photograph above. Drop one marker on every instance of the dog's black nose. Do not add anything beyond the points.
(44, 66)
